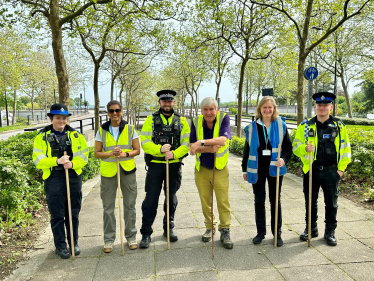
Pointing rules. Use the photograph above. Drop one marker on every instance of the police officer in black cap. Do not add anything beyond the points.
(326, 137)
(165, 135)
(48, 155)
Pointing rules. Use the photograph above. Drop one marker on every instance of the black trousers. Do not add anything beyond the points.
(154, 182)
(55, 189)
(328, 179)
(259, 191)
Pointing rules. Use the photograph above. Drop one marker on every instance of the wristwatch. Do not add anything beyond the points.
(202, 142)
(127, 154)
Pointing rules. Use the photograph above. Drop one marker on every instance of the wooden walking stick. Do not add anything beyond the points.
(310, 198)
(69, 208)
(119, 208)
(211, 207)
(167, 204)
(276, 201)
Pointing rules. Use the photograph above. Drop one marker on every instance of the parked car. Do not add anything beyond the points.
(102, 109)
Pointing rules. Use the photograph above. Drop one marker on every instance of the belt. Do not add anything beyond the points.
(58, 168)
(322, 167)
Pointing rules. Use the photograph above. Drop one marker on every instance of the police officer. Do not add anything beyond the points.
(48, 155)
(165, 135)
(326, 137)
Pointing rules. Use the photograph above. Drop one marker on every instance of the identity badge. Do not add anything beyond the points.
(326, 136)
(266, 152)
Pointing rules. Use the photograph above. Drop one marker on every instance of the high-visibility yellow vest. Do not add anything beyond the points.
(108, 166)
(42, 152)
(222, 154)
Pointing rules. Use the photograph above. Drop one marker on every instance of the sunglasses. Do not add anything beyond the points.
(114, 110)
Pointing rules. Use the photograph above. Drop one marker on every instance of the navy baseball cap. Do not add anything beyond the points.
(58, 109)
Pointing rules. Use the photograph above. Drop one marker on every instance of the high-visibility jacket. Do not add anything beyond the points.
(222, 154)
(342, 145)
(42, 152)
(277, 133)
(153, 149)
(108, 166)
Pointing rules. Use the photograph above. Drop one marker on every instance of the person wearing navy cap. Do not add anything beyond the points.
(164, 136)
(48, 155)
(326, 137)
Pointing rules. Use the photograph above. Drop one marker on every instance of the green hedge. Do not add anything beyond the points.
(21, 184)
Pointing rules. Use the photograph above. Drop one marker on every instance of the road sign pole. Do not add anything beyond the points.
(310, 100)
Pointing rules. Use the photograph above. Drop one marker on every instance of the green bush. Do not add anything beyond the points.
(93, 166)
(237, 145)
(233, 110)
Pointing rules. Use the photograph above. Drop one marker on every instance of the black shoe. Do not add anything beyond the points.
(144, 243)
(62, 253)
(225, 238)
(279, 240)
(258, 239)
(77, 251)
(304, 235)
(330, 237)
(173, 236)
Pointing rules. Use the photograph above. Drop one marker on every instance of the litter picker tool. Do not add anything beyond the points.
(69, 208)
(277, 201)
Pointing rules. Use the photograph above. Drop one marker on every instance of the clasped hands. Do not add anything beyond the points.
(166, 150)
(64, 160)
(117, 152)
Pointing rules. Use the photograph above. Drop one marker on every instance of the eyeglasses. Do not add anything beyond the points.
(114, 110)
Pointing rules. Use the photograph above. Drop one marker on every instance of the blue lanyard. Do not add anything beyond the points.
(111, 131)
(268, 135)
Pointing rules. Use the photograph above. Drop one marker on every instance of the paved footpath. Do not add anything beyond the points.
(191, 259)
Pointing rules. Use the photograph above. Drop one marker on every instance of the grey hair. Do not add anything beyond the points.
(208, 102)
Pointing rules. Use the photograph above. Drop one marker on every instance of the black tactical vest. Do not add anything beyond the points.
(59, 144)
(166, 134)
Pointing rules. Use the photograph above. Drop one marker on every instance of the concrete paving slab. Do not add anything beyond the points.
(186, 260)
(196, 276)
(240, 258)
(346, 251)
(321, 272)
(358, 229)
(268, 274)
(187, 238)
(125, 267)
(359, 271)
(293, 254)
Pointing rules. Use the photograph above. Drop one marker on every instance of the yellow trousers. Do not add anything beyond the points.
(203, 180)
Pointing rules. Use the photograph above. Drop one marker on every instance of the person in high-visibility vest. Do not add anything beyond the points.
(48, 155)
(117, 139)
(165, 136)
(260, 163)
(210, 133)
(326, 137)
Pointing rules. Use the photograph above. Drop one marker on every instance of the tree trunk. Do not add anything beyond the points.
(96, 96)
(240, 103)
(246, 96)
(300, 89)
(14, 107)
(218, 85)
(112, 86)
(347, 100)
(58, 53)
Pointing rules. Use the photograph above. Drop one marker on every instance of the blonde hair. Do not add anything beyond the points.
(262, 102)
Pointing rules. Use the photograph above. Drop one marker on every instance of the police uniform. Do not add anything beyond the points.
(49, 146)
(332, 153)
(158, 130)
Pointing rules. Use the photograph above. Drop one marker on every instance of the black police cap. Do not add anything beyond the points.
(166, 95)
(324, 97)
(58, 109)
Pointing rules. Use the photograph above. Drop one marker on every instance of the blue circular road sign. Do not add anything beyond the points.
(310, 73)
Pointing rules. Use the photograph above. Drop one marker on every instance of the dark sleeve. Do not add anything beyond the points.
(245, 156)
(225, 127)
(286, 148)
(193, 135)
